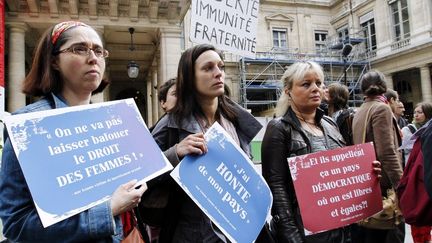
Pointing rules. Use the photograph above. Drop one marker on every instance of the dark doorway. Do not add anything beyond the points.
(138, 96)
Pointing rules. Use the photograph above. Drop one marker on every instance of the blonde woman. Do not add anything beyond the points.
(303, 126)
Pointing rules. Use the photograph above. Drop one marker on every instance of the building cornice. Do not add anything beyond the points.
(298, 3)
(384, 59)
(171, 11)
(345, 12)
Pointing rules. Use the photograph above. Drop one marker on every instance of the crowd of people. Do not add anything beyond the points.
(68, 68)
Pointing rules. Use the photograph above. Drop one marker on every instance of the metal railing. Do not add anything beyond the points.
(400, 44)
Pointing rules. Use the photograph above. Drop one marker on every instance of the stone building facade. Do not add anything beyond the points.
(396, 39)
(397, 34)
(400, 42)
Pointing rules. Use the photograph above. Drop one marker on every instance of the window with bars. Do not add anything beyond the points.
(280, 38)
(400, 17)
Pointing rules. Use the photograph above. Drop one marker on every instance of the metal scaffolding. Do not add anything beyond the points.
(343, 60)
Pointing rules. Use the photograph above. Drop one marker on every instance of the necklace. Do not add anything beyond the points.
(307, 122)
(312, 129)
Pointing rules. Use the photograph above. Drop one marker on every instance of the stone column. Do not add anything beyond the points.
(149, 101)
(382, 16)
(425, 76)
(310, 45)
(170, 52)
(301, 35)
(97, 98)
(389, 81)
(155, 101)
(16, 73)
(419, 22)
(160, 81)
(429, 10)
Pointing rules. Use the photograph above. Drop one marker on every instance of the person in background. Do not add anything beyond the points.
(68, 67)
(167, 99)
(393, 101)
(392, 98)
(396, 106)
(422, 114)
(339, 110)
(325, 98)
(382, 129)
(200, 103)
(337, 99)
(399, 114)
(167, 95)
(300, 128)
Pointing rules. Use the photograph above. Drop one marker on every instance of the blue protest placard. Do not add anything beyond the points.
(79, 155)
(225, 185)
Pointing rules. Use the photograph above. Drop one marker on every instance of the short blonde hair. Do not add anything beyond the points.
(297, 71)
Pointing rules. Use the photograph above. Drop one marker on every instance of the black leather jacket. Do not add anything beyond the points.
(284, 138)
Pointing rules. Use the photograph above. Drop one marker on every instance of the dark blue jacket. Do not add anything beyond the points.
(21, 222)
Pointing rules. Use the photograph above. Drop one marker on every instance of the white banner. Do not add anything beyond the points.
(229, 25)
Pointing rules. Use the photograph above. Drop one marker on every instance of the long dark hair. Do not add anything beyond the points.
(42, 78)
(338, 97)
(187, 103)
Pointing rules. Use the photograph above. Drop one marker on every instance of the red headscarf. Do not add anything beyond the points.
(60, 28)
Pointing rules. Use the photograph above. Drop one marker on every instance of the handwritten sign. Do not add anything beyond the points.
(225, 185)
(79, 155)
(229, 25)
(337, 186)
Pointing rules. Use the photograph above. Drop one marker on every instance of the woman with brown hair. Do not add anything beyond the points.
(376, 116)
(422, 114)
(68, 67)
(339, 111)
(200, 103)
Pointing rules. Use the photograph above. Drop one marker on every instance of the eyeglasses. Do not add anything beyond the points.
(85, 51)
